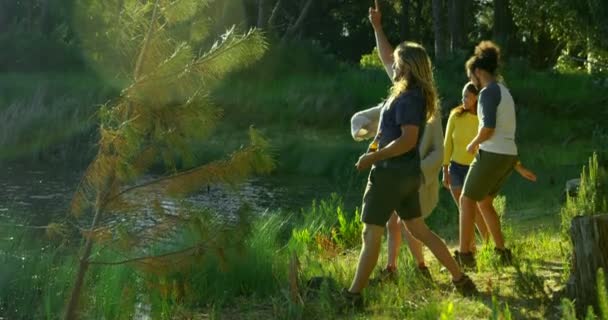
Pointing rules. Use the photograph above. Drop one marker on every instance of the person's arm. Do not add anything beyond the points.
(385, 49)
(448, 149)
(525, 172)
(482, 135)
(489, 99)
(431, 163)
(406, 142)
(409, 111)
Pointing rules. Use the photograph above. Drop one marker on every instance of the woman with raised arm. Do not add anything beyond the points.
(431, 153)
(395, 176)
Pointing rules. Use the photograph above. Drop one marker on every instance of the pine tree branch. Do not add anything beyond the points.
(147, 184)
(230, 42)
(232, 52)
(221, 48)
(80, 186)
(138, 259)
(171, 177)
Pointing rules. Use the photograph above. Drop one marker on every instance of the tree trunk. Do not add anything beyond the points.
(503, 23)
(591, 59)
(440, 43)
(468, 17)
(45, 21)
(456, 21)
(451, 25)
(261, 15)
(589, 236)
(83, 267)
(416, 34)
(30, 16)
(405, 19)
(295, 27)
(3, 16)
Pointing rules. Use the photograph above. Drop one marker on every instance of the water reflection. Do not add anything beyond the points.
(41, 194)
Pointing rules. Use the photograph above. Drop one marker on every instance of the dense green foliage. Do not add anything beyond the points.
(54, 34)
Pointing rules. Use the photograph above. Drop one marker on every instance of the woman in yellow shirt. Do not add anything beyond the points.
(460, 130)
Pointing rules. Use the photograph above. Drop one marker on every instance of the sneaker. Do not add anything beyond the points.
(386, 274)
(425, 273)
(505, 255)
(465, 260)
(465, 286)
(349, 300)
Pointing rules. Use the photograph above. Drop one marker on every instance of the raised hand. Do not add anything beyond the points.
(375, 16)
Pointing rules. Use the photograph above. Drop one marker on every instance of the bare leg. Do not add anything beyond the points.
(456, 195)
(467, 219)
(419, 229)
(492, 221)
(415, 247)
(479, 222)
(372, 237)
(481, 225)
(394, 240)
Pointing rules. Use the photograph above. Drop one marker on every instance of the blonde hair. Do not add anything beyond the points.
(420, 73)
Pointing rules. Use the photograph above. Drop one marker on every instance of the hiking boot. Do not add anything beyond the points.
(505, 255)
(465, 286)
(425, 273)
(349, 300)
(465, 260)
(386, 274)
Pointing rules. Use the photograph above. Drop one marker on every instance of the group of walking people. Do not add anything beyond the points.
(409, 149)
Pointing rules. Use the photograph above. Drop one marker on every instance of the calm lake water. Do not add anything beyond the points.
(39, 194)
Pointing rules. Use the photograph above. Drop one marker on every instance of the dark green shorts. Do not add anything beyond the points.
(388, 190)
(487, 174)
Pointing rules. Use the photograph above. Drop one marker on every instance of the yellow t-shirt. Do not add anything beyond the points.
(460, 131)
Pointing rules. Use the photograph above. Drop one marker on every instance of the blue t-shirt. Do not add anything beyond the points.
(406, 109)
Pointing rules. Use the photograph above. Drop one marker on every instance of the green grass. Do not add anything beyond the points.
(251, 280)
(35, 276)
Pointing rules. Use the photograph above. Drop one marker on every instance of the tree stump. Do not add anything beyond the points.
(589, 236)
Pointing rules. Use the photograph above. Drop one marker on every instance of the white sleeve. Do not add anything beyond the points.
(364, 124)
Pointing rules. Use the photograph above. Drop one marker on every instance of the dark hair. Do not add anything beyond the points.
(486, 57)
(470, 87)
